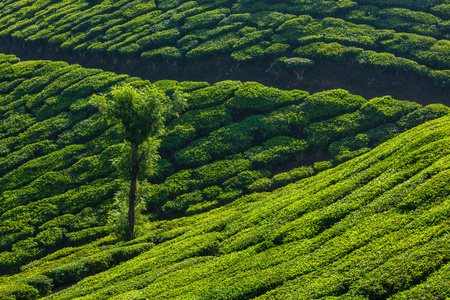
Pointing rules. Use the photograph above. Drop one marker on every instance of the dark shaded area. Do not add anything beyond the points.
(365, 81)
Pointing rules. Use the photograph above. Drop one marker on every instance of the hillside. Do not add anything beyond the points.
(375, 227)
(233, 140)
(311, 159)
(381, 45)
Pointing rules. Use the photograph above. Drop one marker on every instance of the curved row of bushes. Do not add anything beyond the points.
(375, 227)
(370, 31)
(57, 182)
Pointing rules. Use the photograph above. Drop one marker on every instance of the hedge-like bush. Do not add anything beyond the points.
(40, 282)
(207, 19)
(386, 109)
(177, 138)
(291, 176)
(349, 144)
(182, 203)
(299, 27)
(164, 53)
(86, 235)
(253, 96)
(51, 237)
(213, 95)
(277, 151)
(329, 104)
(422, 115)
(18, 291)
(243, 180)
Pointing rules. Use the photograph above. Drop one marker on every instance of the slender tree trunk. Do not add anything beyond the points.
(132, 196)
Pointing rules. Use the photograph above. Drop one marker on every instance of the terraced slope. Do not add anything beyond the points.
(57, 182)
(399, 36)
(374, 227)
(260, 193)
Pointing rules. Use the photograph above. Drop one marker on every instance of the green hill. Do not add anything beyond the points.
(401, 36)
(233, 141)
(259, 192)
(371, 228)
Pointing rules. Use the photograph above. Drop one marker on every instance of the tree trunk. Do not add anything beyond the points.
(132, 196)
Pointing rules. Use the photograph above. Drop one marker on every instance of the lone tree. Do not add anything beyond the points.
(298, 65)
(142, 113)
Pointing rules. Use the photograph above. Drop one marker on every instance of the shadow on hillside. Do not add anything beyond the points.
(365, 81)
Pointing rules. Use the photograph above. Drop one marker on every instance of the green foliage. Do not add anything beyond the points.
(219, 45)
(177, 138)
(375, 112)
(234, 18)
(331, 103)
(4, 58)
(37, 167)
(327, 51)
(270, 19)
(164, 53)
(219, 171)
(383, 133)
(140, 112)
(416, 21)
(337, 30)
(40, 282)
(243, 180)
(239, 240)
(251, 36)
(248, 31)
(205, 20)
(442, 9)
(322, 165)
(253, 96)
(288, 120)
(298, 62)
(349, 144)
(86, 235)
(390, 61)
(18, 291)
(252, 53)
(260, 185)
(294, 29)
(408, 43)
(189, 86)
(51, 237)
(435, 55)
(213, 95)
(277, 151)
(205, 120)
(351, 220)
(211, 192)
(422, 115)
(291, 176)
(159, 38)
(386, 109)
(182, 203)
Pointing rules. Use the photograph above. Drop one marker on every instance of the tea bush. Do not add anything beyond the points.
(329, 104)
(425, 114)
(258, 98)
(291, 176)
(19, 291)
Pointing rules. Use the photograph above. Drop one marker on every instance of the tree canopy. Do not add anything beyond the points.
(142, 113)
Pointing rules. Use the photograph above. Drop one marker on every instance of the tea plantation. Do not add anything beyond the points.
(258, 192)
(233, 145)
(399, 35)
